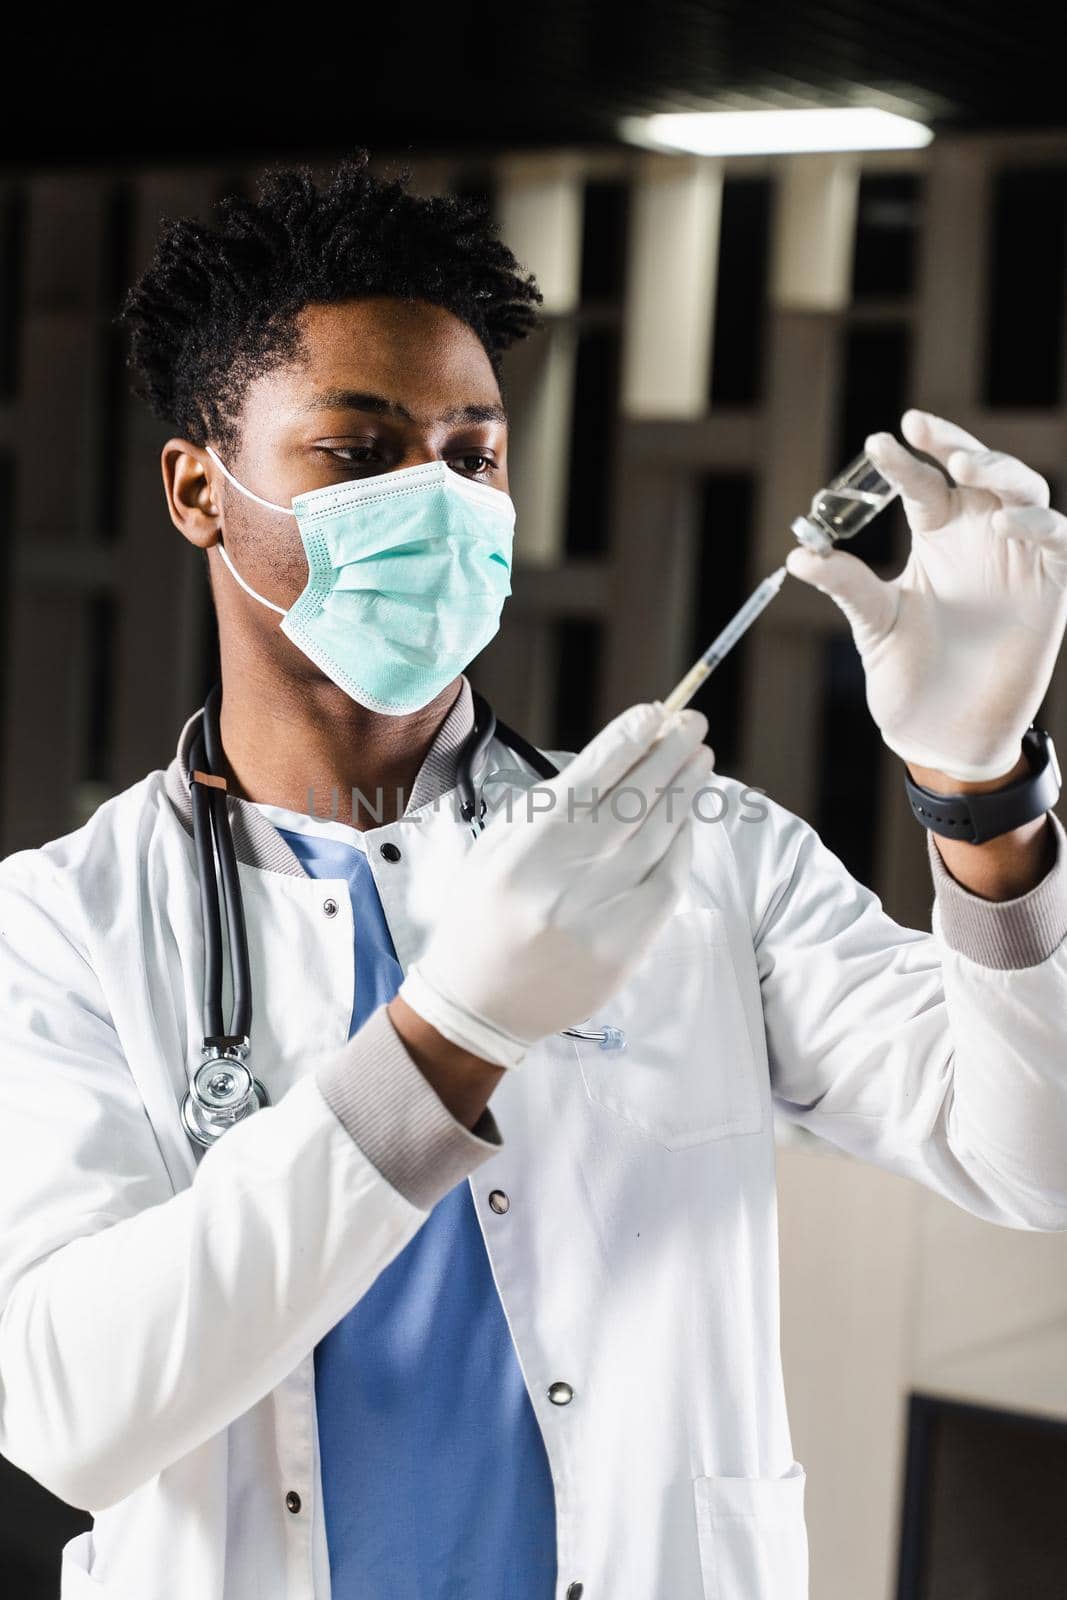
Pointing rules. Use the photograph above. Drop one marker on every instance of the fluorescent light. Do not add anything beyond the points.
(750, 133)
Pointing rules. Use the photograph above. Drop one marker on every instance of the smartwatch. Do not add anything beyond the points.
(974, 818)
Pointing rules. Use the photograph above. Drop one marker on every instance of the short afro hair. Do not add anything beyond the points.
(217, 306)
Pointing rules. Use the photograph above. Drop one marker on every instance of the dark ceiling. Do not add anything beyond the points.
(204, 85)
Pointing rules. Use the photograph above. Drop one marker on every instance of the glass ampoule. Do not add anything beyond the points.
(846, 505)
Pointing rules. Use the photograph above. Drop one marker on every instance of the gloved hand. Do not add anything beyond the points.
(959, 648)
(551, 908)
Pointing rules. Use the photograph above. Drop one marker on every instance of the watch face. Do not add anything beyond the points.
(1042, 752)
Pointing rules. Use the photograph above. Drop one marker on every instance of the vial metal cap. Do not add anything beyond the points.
(811, 536)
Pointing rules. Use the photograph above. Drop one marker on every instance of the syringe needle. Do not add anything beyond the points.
(724, 642)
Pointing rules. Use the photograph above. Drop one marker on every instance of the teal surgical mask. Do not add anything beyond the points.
(408, 572)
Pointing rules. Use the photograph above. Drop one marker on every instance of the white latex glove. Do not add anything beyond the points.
(548, 913)
(959, 648)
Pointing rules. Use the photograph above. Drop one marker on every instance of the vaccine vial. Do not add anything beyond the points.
(846, 505)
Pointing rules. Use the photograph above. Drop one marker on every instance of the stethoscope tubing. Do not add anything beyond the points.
(213, 838)
(241, 1019)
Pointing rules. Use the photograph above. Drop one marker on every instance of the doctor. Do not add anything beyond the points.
(473, 1306)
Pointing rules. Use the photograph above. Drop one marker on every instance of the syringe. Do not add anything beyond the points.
(724, 642)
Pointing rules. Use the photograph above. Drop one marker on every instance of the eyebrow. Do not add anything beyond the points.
(358, 400)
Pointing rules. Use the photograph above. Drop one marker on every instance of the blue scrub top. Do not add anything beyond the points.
(436, 1483)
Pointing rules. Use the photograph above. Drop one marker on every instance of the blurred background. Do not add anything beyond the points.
(721, 332)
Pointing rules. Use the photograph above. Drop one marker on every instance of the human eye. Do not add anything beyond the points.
(355, 454)
(473, 465)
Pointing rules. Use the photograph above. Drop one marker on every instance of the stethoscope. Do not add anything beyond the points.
(223, 1089)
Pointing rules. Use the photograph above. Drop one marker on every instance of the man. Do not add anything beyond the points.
(384, 1337)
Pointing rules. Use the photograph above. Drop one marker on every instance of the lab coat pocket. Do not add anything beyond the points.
(753, 1541)
(687, 1073)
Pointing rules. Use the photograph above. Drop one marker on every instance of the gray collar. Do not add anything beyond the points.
(259, 844)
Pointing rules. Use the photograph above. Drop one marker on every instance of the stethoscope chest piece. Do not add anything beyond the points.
(223, 1091)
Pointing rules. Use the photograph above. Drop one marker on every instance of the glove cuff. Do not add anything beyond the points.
(461, 1026)
(965, 771)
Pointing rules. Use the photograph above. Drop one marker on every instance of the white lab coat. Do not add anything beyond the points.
(159, 1316)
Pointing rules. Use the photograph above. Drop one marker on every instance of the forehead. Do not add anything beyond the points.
(423, 355)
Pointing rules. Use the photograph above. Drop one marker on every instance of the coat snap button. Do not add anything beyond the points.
(575, 1591)
(390, 852)
(330, 907)
(292, 1501)
(560, 1394)
(498, 1200)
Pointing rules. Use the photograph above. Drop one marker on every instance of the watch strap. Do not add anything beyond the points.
(976, 817)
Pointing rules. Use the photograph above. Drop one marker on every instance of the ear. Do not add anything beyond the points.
(195, 508)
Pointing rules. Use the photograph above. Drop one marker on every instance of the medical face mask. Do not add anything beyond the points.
(408, 572)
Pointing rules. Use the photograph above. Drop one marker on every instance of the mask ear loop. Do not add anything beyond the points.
(271, 506)
(247, 587)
